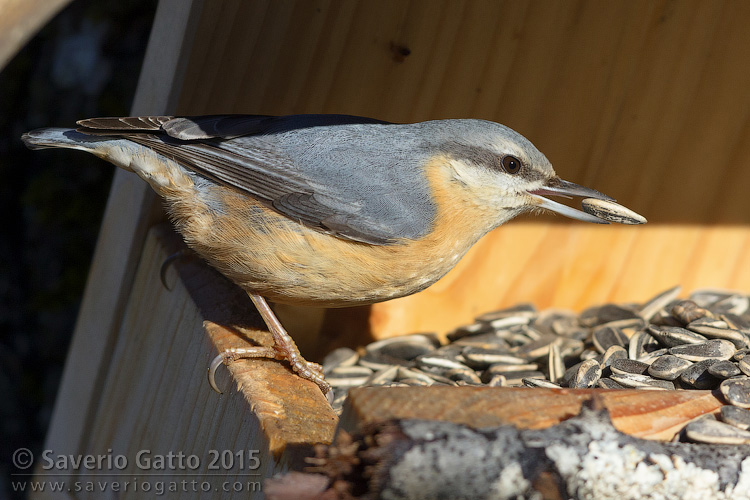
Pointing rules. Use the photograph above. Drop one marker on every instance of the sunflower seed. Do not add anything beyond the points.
(668, 367)
(736, 337)
(530, 332)
(437, 361)
(468, 376)
(736, 322)
(606, 336)
(498, 381)
(521, 310)
(613, 353)
(509, 374)
(639, 381)
(628, 325)
(538, 382)
(652, 356)
(736, 416)
(707, 297)
(569, 347)
(468, 331)
(744, 365)
(489, 340)
(711, 349)
(383, 376)
(611, 211)
(569, 374)
(707, 321)
(342, 356)
(405, 347)
(660, 301)
(724, 369)
(508, 368)
(641, 343)
(417, 382)
(587, 375)
(481, 358)
(706, 430)
(665, 318)
(414, 373)
(535, 349)
(558, 322)
(671, 336)
(737, 391)
(348, 376)
(590, 354)
(697, 375)
(515, 379)
(508, 322)
(555, 363)
(599, 315)
(734, 304)
(608, 383)
(687, 311)
(338, 402)
(627, 366)
(377, 361)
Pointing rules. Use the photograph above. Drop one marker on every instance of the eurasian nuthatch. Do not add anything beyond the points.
(326, 210)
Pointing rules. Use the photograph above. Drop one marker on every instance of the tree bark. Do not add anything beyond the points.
(582, 458)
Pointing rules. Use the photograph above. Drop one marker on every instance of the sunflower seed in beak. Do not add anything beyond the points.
(611, 211)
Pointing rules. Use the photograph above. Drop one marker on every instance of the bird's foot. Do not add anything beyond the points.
(305, 369)
(300, 366)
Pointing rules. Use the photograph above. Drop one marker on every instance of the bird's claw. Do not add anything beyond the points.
(228, 356)
(219, 360)
(166, 265)
(307, 370)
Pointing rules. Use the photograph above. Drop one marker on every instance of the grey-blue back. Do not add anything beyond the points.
(361, 181)
(357, 178)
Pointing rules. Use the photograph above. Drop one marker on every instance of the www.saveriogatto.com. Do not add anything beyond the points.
(143, 471)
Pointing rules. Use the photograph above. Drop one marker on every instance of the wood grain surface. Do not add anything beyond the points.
(657, 415)
(20, 20)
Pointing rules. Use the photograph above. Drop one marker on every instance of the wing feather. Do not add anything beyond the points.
(258, 155)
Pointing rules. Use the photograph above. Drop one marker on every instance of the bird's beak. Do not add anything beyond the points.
(559, 187)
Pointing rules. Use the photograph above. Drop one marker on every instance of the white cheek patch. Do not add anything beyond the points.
(488, 187)
(474, 176)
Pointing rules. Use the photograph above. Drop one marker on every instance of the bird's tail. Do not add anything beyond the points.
(160, 172)
(106, 148)
(60, 138)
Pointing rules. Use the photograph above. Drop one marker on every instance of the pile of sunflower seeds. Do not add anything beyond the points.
(665, 343)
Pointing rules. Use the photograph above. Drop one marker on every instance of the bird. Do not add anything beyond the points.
(326, 210)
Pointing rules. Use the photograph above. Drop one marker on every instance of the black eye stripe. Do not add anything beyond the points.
(487, 158)
(511, 164)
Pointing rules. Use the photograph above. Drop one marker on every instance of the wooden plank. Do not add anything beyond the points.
(21, 20)
(643, 414)
(129, 210)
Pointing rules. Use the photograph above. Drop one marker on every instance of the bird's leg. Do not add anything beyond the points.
(283, 348)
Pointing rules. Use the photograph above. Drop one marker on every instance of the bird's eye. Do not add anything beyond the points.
(511, 164)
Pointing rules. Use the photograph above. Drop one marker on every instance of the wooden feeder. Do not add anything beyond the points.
(644, 101)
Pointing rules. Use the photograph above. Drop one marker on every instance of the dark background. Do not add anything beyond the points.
(84, 63)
